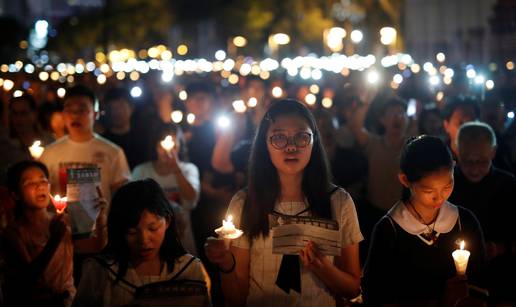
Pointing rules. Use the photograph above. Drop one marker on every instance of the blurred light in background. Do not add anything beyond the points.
(136, 92)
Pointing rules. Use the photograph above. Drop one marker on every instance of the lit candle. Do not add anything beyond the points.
(168, 143)
(59, 203)
(461, 257)
(36, 150)
(228, 231)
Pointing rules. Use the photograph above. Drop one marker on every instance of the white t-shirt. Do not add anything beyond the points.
(169, 185)
(97, 152)
(264, 265)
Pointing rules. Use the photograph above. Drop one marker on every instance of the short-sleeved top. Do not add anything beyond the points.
(404, 267)
(169, 182)
(96, 152)
(55, 279)
(383, 186)
(98, 287)
(264, 265)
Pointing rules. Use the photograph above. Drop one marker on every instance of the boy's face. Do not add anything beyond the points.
(79, 115)
(460, 116)
(475, 159)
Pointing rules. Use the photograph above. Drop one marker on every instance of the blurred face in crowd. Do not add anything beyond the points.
(475, 159)
(34, 188)
(432, 124)
(79, 117)
(290, 142)
(22, 117)
(255, 89)
(394, 120)
(200, 104)
(120, 112)
(460, 116)
(145, 239)
(57, 124)
(494, 115)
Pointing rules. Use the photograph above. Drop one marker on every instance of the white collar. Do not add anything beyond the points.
(444, 223)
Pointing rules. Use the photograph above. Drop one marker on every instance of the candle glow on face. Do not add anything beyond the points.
(36, 150)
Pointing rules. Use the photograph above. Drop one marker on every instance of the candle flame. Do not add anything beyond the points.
(36, 150)
(229, 218)
(167, 143)
(462, 245)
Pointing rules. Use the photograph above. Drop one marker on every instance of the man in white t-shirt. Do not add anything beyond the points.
(83, 148)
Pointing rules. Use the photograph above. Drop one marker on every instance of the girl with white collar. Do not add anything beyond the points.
(410, 260)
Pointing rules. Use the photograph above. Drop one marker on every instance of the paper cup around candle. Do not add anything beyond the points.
(167, 143)
(228, 231)
(60, 203)
(460, 258)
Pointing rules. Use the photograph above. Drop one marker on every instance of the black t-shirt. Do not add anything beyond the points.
(401, 268)
(136, 147)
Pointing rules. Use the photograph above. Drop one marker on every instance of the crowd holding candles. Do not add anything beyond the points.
(422, 195)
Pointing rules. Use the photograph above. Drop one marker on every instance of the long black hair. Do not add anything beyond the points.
(264, 186)
(127, 207)
(421, 156)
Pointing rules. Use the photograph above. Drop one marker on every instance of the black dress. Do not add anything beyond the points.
(402, 268)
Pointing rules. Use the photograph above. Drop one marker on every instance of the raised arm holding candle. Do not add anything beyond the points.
(36, 150)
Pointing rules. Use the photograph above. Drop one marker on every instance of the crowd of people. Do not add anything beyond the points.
(403, 190)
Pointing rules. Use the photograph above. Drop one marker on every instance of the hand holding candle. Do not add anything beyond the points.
(36, 150)
(60, 203)
(167, 144)
(461, 257)
(228, 231)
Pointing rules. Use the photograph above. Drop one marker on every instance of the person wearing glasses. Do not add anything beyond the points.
(288, 174)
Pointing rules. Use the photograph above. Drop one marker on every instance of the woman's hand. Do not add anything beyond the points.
(455, 290)
(312, 258)
(57, 228)
(218, 253)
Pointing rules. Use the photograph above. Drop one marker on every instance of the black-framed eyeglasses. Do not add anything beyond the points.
(281, 141)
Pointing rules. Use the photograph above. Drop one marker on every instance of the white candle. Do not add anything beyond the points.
(461, 257)
(228, 231)
(59, 203)
(36, 150)
(168, 143)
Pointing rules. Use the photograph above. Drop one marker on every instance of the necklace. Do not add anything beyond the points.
(430, 234)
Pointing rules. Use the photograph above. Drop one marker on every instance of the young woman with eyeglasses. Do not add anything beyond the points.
(288, 174)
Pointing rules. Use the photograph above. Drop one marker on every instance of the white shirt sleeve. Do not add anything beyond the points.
(346, 214)
(191, 173)
(120, 169)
